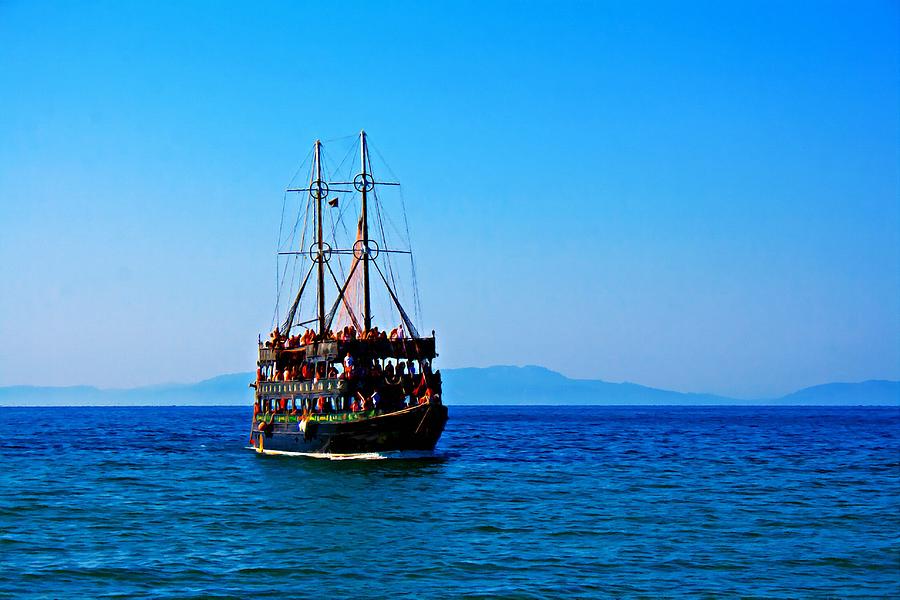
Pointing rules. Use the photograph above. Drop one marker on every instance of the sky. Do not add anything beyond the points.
(698, 196)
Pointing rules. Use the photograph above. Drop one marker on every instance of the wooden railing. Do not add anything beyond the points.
(317, 417)
(325, 386)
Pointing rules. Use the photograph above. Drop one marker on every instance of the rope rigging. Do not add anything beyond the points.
(341, 239)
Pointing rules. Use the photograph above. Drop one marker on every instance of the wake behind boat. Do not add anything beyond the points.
(335, 383)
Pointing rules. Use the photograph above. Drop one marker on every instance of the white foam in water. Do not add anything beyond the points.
(360, 456)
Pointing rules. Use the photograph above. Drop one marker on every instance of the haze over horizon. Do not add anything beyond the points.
(700, 198)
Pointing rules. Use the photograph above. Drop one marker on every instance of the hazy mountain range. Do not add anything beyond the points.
(489, 385)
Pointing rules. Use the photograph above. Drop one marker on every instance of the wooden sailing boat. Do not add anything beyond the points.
(357, 389)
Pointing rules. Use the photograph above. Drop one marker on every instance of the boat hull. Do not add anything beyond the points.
(413, 429)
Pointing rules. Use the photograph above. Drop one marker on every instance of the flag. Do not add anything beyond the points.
(333, 202)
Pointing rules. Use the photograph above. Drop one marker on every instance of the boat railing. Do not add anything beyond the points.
(266, 354)
(318, 417)
(324, 386)
(407, 348)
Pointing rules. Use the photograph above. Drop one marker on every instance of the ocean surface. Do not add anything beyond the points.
(536, 502)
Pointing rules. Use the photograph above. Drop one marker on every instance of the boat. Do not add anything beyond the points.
(336, 383)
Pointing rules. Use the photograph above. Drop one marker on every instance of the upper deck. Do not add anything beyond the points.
(332, 350)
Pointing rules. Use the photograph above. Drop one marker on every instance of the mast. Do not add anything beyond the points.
(367, 313)
(320, 259)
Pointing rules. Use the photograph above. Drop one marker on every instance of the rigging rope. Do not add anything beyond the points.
(417, 302)
(351, 290)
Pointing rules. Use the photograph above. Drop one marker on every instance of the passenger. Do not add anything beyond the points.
(392, 390)
(382, 336)
(361, 370)
(277, 339)
(306, 371)
(420, 387)
(348, 363)
(407, 383)
(332, 372)
(424, 380)
(259, 375)
(393, 335)
(436, 382)
(425, 398)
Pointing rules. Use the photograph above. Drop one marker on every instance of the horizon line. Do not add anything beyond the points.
(755, 401)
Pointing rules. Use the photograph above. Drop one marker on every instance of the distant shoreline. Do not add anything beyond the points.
(479, 386)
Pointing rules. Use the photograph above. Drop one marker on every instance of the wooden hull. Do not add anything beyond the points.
(411, 429)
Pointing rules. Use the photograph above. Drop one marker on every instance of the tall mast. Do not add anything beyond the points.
(319, 242)
(367, 313)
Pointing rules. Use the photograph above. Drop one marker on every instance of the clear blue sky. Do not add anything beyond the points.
(701, 196)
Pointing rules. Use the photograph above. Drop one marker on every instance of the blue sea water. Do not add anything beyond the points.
(525, 502)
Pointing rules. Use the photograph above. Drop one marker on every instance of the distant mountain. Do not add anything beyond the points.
(221, 390)
(538, 385)
(873, 392)
(489, 385)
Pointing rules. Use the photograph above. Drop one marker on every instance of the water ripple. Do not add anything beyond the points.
(517, 502)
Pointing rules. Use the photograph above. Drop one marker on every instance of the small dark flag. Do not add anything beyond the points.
(333, 202)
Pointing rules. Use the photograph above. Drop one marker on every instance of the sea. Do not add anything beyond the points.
(516, 502)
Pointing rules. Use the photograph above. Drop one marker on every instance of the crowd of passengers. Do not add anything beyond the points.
(363, 384)
(277, 340)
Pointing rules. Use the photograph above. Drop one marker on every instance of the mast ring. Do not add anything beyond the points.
(314, 252)
(364, 182)
(360, 250)
(318, 189)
